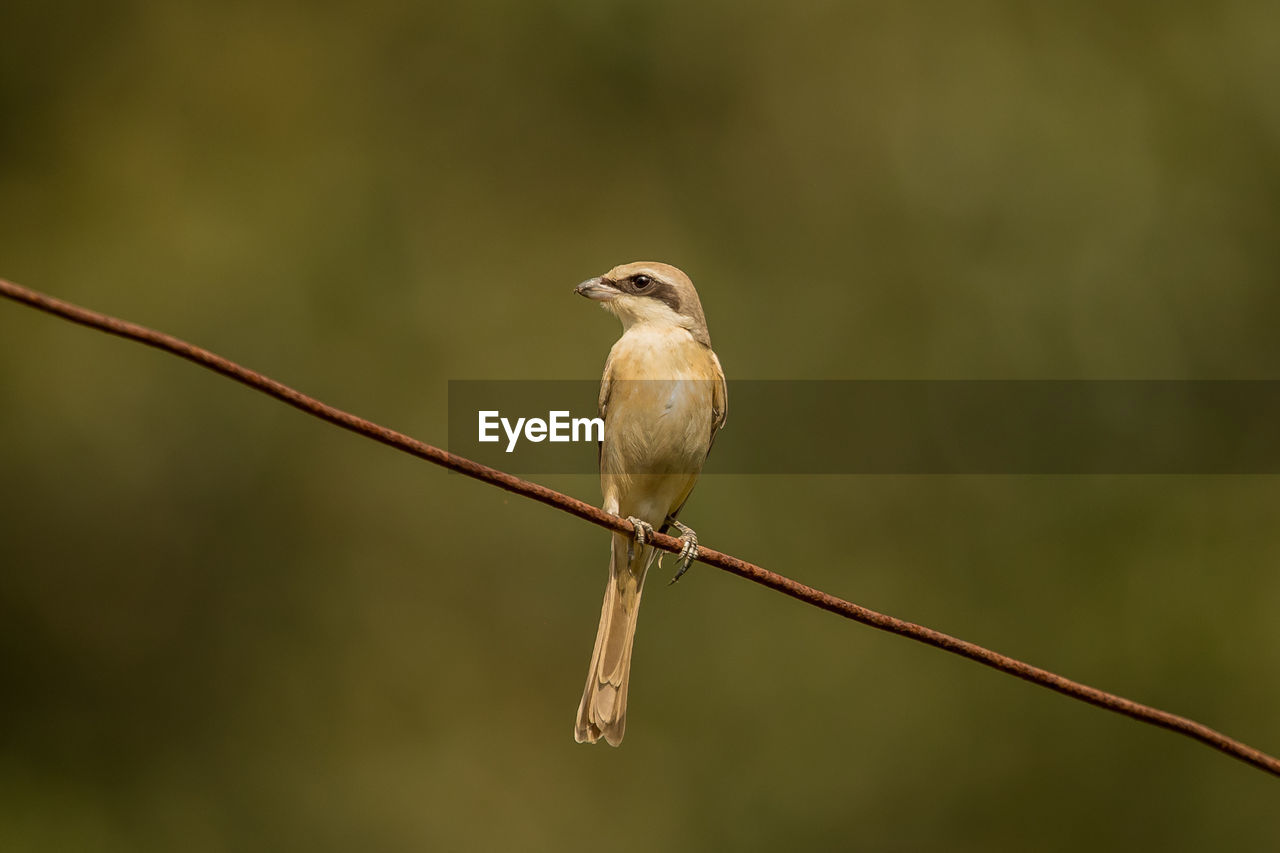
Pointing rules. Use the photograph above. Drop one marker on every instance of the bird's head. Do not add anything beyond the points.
(648, 292)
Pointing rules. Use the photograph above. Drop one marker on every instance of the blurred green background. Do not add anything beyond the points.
(227, 626)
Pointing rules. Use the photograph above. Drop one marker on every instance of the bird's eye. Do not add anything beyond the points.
(641, 281)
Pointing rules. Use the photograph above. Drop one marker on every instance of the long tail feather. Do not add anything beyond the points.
(603, 710)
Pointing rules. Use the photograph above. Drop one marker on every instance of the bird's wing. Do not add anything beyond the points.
(602, 403)
(719, 401)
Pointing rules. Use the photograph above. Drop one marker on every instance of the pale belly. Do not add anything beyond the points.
(657, 427)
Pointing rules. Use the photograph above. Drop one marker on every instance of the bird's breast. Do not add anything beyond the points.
(660, 406)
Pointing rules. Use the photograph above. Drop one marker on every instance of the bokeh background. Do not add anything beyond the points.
(227, 626)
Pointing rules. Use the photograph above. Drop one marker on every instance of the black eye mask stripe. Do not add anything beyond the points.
(666, 293)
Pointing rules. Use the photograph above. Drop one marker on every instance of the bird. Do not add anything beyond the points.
(663, 398)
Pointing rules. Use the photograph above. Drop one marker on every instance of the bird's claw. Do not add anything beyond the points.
(688, 551)
(643, 532)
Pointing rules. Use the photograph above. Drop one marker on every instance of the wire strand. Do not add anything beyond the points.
(726, 562)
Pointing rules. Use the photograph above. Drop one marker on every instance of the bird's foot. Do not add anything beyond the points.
(689, 552)
(643, 533)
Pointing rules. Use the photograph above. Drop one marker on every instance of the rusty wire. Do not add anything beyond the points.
(750, 571)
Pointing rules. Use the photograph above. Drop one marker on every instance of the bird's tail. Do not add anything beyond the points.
(603, 710)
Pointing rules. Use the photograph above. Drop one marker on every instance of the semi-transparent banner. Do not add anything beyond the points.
(891, 426)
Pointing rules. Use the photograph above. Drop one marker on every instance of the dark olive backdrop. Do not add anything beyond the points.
(226, 626)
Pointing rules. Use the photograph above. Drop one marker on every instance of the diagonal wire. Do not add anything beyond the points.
(1043, 677)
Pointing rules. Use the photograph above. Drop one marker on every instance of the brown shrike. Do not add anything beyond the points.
(662, 398)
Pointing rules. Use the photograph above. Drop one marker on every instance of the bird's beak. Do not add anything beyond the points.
(598, 288)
